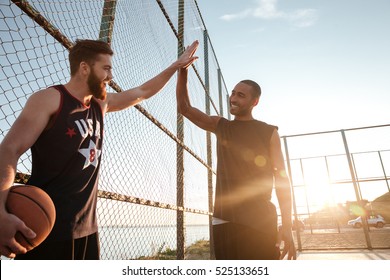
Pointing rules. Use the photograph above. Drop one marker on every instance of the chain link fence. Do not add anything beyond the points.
(158, 170)
(337, 177)
(154, 190)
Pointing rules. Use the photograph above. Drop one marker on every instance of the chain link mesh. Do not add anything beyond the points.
(139, 211)
(137, 205)
(332, 186)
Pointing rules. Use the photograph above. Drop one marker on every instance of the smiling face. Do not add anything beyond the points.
(242, 101)
(100, 74)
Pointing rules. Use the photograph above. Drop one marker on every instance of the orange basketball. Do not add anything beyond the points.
(35, 208)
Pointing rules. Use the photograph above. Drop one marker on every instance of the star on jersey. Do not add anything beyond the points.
(70, 132)
(91, 154)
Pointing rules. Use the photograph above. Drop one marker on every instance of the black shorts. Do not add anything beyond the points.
(85, 248)
(252, 237)
(239, 242)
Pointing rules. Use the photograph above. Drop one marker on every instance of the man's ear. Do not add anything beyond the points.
(84, 68)
(256, 101)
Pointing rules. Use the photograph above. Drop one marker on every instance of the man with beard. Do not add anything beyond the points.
(250, 161)
(63, 126)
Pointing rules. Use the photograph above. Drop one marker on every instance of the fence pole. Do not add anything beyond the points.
(331, 194)
(220, 92)
(208, 139)
(355, 185)
(180, 153)
(306, 199)
(293, 194)
(384, 171)
(228, 106)
(107, 24)
(356, 177)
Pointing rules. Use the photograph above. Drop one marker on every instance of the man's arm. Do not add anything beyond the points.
(131, 97)
(283, 193)
(184, 107)
(23, 133)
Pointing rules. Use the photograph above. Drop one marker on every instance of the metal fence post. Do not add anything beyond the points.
(307, 202)
(292, 193)
(331, 192)
(228, 106)
(220, 92)
(384, 170)
(180, 241)
(355, 185)
(107, 24)
(208, 139)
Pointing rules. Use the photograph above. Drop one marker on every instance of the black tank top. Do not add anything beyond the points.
(244, 171)
(65, 163)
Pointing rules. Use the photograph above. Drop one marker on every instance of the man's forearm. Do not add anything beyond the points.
(283, 193)
(7, 176)
(155, 84)
(158, 82)
(183, 101)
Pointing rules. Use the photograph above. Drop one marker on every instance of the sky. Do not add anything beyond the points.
(322, 65)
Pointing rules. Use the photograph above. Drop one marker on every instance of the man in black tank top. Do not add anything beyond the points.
(63, 126)
(249, 161)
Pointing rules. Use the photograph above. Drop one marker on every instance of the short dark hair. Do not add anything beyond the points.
(88, 51)
(256, 92)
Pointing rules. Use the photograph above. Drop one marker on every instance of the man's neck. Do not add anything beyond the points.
(244, 118)
(80, 91)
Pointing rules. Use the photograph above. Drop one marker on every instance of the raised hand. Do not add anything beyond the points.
(187, 57)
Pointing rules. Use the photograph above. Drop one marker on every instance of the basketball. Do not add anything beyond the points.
(35, 208)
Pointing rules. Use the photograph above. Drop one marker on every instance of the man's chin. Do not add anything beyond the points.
(233, 112)
(102, 96)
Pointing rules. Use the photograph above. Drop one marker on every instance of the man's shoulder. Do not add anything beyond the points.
(46, 96)
(224, 121)
(48, 90)
(267, 125)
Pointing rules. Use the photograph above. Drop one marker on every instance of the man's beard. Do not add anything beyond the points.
(97, 87)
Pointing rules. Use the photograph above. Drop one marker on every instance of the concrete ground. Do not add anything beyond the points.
(363, 254)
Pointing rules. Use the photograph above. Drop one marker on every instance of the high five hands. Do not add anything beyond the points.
(187, 57)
